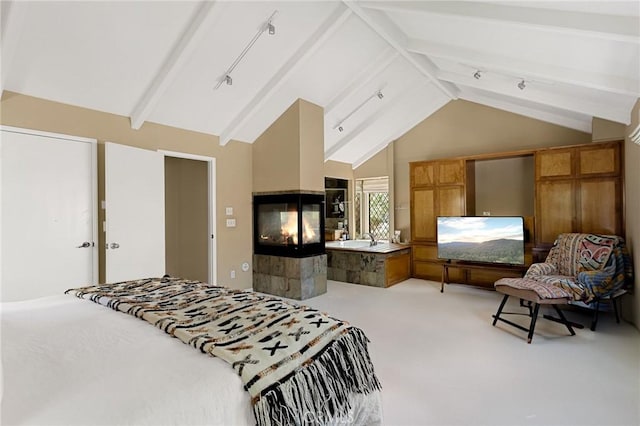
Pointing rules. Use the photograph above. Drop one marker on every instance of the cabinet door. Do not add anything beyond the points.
(423, 211)
(599, 209)
(451, 172)
(422, 174)
(599, 160)
(554, 209)
(557, 163)
(451, 201)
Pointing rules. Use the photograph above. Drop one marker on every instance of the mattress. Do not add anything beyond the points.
(69, 362)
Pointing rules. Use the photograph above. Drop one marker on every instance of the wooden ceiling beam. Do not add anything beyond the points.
(353, 133)
(544, 94)
(509, 66)
(389, 32)
(203, 21)
(362, 78)
(310, 46)
(598, 25)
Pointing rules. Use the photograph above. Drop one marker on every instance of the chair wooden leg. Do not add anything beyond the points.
(614, 300)
(564, 320)
(534, 317)
(594, 322)
(497, 315)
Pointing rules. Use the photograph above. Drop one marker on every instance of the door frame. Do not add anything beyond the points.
(94, 188)
(212, 229)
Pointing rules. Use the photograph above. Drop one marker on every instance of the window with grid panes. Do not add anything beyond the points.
(371, 206)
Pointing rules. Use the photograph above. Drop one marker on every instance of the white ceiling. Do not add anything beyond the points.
(161, 62)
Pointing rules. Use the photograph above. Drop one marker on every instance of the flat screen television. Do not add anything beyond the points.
(486, 239)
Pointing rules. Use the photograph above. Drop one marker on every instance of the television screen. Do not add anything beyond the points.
(491, 239)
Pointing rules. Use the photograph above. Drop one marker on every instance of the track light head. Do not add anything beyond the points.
(271, 28)
(228, 80)
(477, 75)
(521, 85)
(379, 95)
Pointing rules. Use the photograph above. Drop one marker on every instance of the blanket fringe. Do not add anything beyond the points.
(319, 393)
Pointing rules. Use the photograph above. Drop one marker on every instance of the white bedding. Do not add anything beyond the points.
(67, 361)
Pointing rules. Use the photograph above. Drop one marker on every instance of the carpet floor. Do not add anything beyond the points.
(441, 362)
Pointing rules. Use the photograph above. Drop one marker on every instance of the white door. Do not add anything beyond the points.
(48, 218)
(134, 200)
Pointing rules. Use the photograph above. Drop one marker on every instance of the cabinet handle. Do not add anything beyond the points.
(84, 245)
(115, 246)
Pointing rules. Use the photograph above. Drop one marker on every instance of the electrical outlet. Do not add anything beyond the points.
(231, 223)
(233, 273)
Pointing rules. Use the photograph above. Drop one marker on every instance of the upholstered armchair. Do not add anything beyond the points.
(590, 267)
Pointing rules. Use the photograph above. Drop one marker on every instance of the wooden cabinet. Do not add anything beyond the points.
(438, 188)
(423, 214)
(578, 189)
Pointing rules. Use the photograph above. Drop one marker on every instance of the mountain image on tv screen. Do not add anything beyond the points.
(489, 239)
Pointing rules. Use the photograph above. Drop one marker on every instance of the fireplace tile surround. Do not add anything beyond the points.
(291, 277)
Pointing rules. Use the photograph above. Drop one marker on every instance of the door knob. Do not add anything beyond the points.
(114, 246)
(84, 245)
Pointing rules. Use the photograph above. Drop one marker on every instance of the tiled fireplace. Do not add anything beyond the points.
(288, 240)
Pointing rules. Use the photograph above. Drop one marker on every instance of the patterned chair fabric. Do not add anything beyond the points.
(588, 266)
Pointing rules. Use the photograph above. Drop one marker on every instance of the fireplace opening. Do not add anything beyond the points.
(288, 224)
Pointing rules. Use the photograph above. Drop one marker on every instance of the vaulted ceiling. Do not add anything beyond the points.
(377, 68)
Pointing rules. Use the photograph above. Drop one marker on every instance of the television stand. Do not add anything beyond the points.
(510, 269)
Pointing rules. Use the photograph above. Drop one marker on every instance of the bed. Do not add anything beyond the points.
(70, 361)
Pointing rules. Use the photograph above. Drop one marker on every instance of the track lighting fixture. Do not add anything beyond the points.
(378, 94)
(267, 27)
(477, 75)
(521, 85)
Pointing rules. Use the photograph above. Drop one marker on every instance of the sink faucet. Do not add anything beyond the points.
(373, 239)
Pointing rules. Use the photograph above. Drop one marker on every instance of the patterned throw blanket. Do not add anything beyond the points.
(294, 361)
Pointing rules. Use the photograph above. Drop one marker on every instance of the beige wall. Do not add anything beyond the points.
(276, 154)
(379, 165)
(289, 155)
(337, 169)
(516, 182)
(605, 130)
(632, 210)
(465, 128)
(311, 146)
(233, 164)
(186, 218)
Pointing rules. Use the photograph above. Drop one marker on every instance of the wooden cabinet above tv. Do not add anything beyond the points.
(438, 188)
(574, 189)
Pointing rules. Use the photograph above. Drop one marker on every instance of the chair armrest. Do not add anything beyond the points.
(539, 269)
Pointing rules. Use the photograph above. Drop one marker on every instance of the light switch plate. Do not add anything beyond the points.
(229, 211)
(231, 223)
